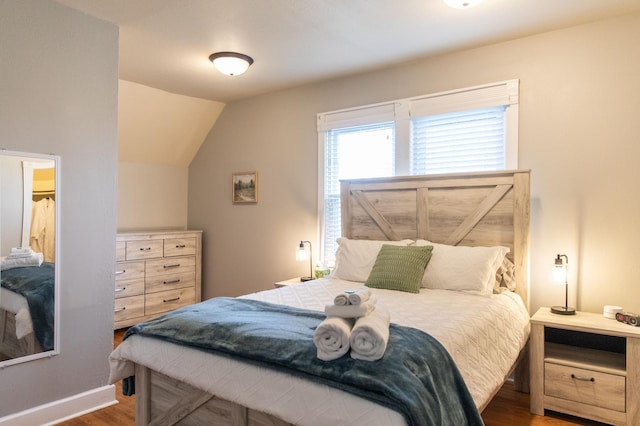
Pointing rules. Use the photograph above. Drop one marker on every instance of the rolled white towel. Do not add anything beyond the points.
(341, 299)
(359, 295)
(332, 338)
(351, 311)
(370, 335)
(8, 263)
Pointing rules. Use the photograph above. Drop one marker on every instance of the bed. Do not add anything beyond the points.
(485, 334)
(27, 310)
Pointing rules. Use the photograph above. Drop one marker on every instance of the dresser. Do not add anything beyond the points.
(156, 272)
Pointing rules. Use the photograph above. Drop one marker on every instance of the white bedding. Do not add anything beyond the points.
(483, 334)
(18, 305)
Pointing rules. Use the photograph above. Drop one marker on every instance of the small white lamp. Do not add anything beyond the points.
(560, 276)
(301, 256)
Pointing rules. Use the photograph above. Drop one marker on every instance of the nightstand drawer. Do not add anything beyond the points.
(585, 386)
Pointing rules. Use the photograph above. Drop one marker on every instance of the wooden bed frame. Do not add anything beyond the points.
(478, 209)
(10, 346)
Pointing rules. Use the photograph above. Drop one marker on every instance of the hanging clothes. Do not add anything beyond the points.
(43, 220)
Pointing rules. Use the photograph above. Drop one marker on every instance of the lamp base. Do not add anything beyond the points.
(563, 310)
(303, 279)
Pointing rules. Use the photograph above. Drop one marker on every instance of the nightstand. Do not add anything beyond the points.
(585, 365)
(285, 283)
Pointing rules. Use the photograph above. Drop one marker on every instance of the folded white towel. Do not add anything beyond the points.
(332, 338)
(341, 299)
(8, 263)
(359, 295)
(370, 335)
(351, 311)
(20, 252)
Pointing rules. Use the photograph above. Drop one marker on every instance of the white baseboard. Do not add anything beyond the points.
(64, 409)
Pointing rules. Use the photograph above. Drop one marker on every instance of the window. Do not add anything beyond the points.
(458, 142)
(345, 150)
(472, 129)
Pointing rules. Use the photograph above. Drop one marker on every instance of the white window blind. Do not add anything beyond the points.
(353, 152)
(458, 142)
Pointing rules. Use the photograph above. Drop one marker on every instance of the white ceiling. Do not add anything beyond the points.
(165, 44)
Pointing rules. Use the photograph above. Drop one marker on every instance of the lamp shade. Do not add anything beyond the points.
(301, 254)
(462, 4)
(560, 272)
(231, 63)
(560, 276)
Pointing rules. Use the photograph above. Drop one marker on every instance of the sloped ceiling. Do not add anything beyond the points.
(159, 127)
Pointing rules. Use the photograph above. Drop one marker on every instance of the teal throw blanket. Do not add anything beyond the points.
(37, 285)
(416, 376)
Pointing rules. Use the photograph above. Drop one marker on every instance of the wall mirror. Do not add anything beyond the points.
(29, 256)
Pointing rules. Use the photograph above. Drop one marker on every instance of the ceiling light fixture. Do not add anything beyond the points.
(462, 4)
(231, 63)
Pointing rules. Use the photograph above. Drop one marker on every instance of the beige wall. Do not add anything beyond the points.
(151, 196)
(58, 94)
(578, 134)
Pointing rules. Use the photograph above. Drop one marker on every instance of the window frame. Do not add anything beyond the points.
(401, 111)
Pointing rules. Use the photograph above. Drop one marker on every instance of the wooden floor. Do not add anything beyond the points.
(508, 408)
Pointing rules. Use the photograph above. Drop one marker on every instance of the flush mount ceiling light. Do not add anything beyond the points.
(231, 63)
(462, 4)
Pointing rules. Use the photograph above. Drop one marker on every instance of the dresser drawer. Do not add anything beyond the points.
(164, 282)
(127, 288)
(121, 251)
(585, 386)
(163, 301)
(144, 249)
(129, 271)
(128, 307)
(179, 247)
(176, 265)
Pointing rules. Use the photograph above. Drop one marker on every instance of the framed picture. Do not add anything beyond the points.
(245, 187)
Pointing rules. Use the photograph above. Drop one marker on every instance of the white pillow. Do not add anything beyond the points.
(355, 258)
(462, 268)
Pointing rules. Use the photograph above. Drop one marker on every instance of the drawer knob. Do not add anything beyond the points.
(145, 248)
(119, 289)
(119, 310)
(584, 379)
(170, 300)
(180, 245)
(171, 282)
(121, 272)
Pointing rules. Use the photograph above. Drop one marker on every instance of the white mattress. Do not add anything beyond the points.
(18, 305)
(484, 335)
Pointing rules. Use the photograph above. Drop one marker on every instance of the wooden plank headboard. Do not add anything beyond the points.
(470, 209)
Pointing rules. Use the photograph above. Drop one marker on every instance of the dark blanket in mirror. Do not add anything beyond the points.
(37, 285)
(415, 377)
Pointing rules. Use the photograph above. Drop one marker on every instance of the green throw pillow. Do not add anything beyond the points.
(399, 268)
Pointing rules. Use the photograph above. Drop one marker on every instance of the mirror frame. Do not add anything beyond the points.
(35, 157)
